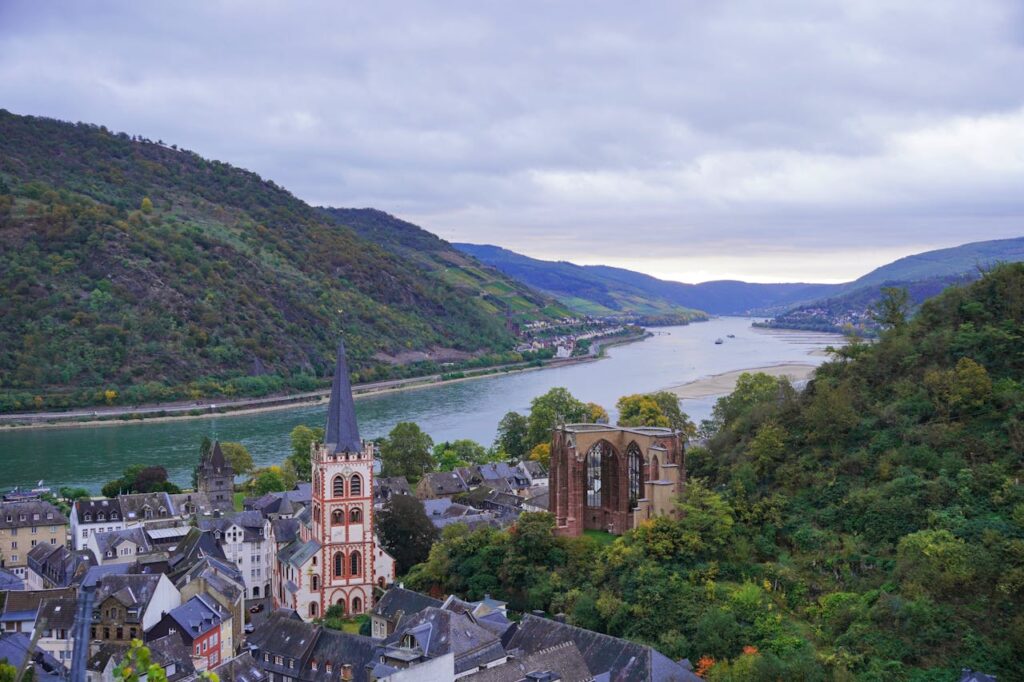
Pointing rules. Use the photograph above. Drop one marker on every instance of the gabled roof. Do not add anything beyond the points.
(563, 660)
(197, 616)
(111, 541)
(625, 661)
(93, 508)
(58, 612)
(135, 589)
(400, 601)
(241, 668)
(342, 432)
(195, 546)
(24, 605)
(21, 513)
(338, 649)
(285, 530)
(444, 483)
(170, 649)
(133, 506)
(298, 552)
(10, 581)
(438, 632)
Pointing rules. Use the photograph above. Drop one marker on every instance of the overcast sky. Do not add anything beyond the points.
(768, 141)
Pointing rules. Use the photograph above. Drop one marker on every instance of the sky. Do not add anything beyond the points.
(691, 140)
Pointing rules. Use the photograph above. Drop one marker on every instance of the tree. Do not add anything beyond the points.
(513, 432)
(672, 408)
(705, 514)
(542, 454)
(547, 411)
(597, 414)
(891, 310)
(405, 531)
(238, 456)
(268, 480)
(640, 410)
(70, 494)
(303, 438)
(147, 205)
(406, 452)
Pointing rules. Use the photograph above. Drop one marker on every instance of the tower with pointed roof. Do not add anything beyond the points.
(341, 521)
(216, 479)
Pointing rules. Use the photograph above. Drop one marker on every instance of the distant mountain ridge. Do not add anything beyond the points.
(607, 288)
(923, 275)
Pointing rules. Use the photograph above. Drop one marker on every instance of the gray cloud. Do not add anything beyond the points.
(782, 140)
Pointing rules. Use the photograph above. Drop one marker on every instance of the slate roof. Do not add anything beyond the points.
(339, 648)
(133, 506)
(23, 513)
(59, 613)
(107, 650)
(251, 522)
(201, 501)
(342, 432)
(533, 469)
(14, 647)
(399, 601)
(195, 546)
(131, 589)
(108, 507)
(214, 570)
(445, 483)
(438, 632)
(385, 487)
(968, 675)
(109, 542)
(279, 635)
(541, 499)
(564, 660)
(59, 565)
(24, 605)
(197, 616)
(10, 581)
(241, 668)
(298, 552)
(285, 530)
(281, 504)
(625, 661)
(170, 649)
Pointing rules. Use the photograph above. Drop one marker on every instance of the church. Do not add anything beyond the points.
(336, 558)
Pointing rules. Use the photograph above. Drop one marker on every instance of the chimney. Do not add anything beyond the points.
(346, 672)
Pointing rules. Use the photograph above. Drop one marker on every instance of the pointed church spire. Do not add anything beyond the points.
(342, 433)
(217, 456)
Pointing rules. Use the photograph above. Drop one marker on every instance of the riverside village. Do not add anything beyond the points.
(299, 584)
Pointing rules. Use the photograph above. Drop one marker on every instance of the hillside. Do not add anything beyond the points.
(923, 275)
(133, 271)
(868, 527)
(603, 290)
(496, 292)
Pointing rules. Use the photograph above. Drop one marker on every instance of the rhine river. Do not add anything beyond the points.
(90, 456)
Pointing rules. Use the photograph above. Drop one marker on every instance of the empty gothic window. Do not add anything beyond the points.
(635, 462)
(339, 486)
(355, 516)
(354, 563)
(355, 487)
(594, 474)
(339, 565)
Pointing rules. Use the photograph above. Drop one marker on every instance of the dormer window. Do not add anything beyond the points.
(113, 516)
(328, 668)
(88, 517)
(101, 517)
(49, 515)
(408, 642)
(313, 665)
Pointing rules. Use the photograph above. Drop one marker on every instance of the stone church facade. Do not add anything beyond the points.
(612, 478)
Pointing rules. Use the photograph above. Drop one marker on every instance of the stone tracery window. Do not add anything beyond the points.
(635, 464)
(595, 461)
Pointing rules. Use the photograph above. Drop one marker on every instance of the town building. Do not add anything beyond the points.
(126, 606)
(54, 625)
(51, 566)
(441, 484)
(119, 546)
(25, 524)
(197, 622)
(336, 560)
(396, 604)
(611, 477)
(246, 540)
(94, 516)
(222, 582)
(20, 609)
(535, 472)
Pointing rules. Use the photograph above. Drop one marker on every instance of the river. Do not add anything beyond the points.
(90, 456)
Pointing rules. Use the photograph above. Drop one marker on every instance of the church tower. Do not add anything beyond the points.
(216, 479)
(342, 513)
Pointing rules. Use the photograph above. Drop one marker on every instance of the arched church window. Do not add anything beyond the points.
(595, 457)
(354, 563)
(337, 517)
(355, 486)
(339, 486)
(339, 564)
(635, 464)
(355, 515)
(357, 605)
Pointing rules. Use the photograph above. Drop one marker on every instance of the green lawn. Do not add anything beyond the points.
(603, 537)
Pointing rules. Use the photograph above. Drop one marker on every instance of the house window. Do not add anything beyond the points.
(101, 517)
(339, 486)
(278, 660)
(312, 664)
(197, 649)
(328, 668)
(355, 486)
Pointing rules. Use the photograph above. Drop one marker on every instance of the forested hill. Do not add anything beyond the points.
(498, 293)
(869, 527)
(137, 268)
